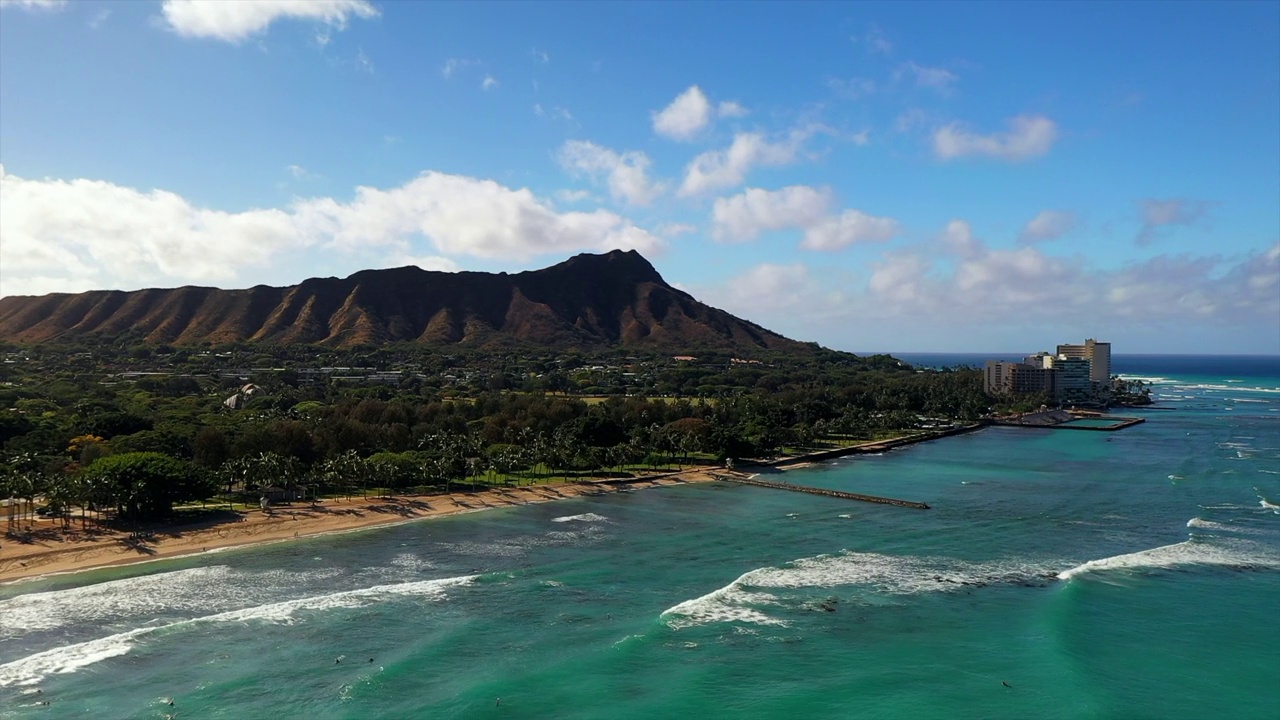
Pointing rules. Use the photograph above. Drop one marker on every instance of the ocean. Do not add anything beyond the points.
(1058, 574)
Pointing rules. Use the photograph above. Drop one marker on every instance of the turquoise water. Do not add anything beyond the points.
(1094, 422)
(1121, 575)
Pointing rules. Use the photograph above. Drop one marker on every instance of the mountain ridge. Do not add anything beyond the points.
(589, 300)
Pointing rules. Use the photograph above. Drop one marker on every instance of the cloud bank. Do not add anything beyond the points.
(81, 234)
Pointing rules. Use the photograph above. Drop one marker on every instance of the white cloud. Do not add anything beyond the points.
(300, 173)
(99, 18)
(363, 62)
(237, 21)
(957, 239)
(79, 234)
(766, 290)
(466, 216)
(1028, 136)
(950, 293)
(964, 281)
(426, 262)
(453, 65)
(1157, 214)
(939, 79)
(854, 88)
(34, 4)
(626, 173)
(572, 196)
(689, 113)
(909, 120)
(876, 42)
(489, 83)
(848, 228)
(744, 216)
(89, 231)
(718, 169)
(540, 56)
(1048, 225)
(671, 230)
(553, 113)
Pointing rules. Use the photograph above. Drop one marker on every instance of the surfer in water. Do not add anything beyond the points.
(1005, 684)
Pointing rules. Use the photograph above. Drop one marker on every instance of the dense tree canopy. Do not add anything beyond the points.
(146, 485)
(141, 428)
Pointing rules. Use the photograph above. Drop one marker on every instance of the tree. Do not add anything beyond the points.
(146, 485)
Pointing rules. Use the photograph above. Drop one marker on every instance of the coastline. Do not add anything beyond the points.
(71, 552)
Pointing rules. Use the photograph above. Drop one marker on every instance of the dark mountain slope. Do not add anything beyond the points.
(615, 299)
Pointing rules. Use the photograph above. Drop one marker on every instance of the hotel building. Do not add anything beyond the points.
(1076, 373)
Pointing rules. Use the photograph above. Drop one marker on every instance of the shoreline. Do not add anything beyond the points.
(69, 552)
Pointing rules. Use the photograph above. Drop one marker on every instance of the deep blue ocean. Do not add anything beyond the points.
(1059, 574)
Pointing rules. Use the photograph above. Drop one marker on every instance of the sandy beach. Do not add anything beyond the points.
(52, 550)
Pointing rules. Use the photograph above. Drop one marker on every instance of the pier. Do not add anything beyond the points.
(822, 491)
(1070, 420)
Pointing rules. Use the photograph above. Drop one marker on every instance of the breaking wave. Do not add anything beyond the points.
(585, 517)
(34, 668)
(1240, 554)
(742, 600)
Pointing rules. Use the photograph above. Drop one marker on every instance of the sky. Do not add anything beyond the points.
(910, 177)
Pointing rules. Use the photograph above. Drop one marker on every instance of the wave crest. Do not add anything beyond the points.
(740, 600)
(67, 659)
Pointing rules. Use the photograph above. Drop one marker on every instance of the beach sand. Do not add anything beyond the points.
(53, 551)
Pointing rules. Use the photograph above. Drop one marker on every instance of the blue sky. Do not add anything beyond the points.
(902, 177)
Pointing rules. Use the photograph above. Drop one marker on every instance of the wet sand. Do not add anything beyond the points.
(51, 550)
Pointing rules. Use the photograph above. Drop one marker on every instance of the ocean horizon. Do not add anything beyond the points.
(1058, 574)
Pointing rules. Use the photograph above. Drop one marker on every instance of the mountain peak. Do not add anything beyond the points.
(590, 300)
(613, 266)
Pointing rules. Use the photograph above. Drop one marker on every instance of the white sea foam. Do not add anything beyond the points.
(739, 601)
(1217, 527)
(182, 590)
(728, 604)
(1228, 388)
(34, 668)
(1223, 553)
(194, 591)
(585, 517)
(1152, 379)
(282, 612)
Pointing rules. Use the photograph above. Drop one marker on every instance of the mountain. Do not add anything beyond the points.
(614, 299)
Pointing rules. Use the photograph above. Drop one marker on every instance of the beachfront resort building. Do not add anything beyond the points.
(1097, 353)
(1075, 374)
